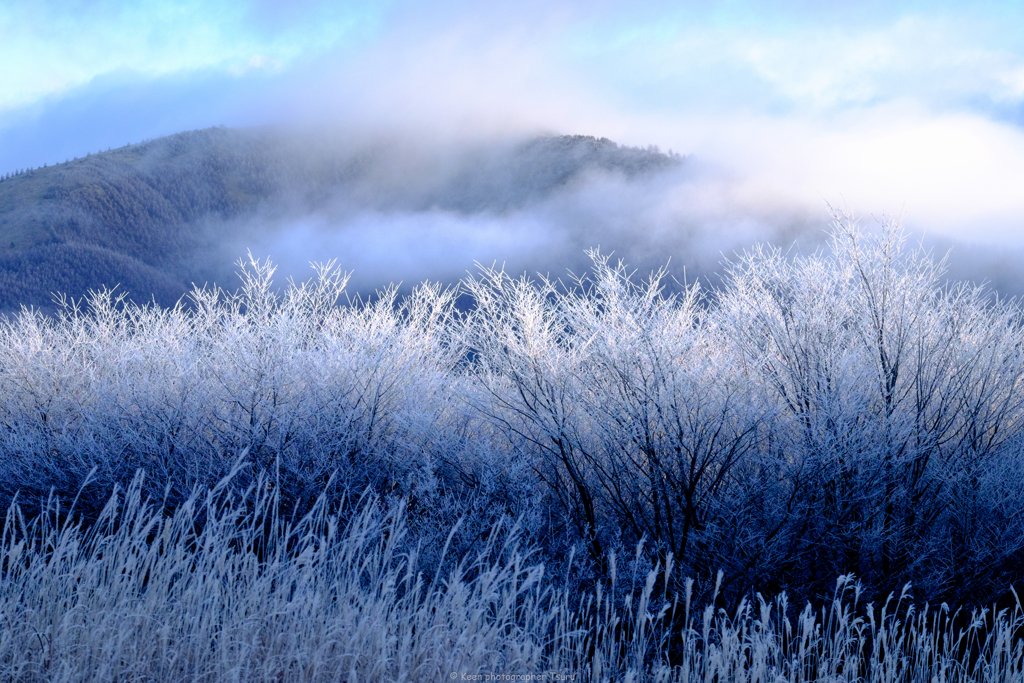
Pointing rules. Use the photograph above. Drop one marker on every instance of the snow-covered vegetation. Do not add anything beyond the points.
(459, 480)
(144, 595)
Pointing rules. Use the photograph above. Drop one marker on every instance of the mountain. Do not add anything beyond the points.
(153, 217)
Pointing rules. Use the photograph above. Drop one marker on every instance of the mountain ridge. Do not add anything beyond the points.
(150, 216)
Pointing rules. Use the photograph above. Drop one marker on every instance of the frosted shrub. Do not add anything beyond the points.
(305, 386)
(637, 422)
(897, 397)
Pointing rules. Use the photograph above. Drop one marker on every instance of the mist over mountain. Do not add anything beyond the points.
(157, 216)
(154, 218)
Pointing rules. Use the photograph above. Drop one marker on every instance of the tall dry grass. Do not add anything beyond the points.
(226, 588)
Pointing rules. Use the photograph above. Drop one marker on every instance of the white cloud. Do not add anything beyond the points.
(49, 46)
(937, 61)
(957, 175)
(795, 107)
(257, 63)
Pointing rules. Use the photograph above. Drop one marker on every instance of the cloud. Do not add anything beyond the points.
(950, 174)
(257, 63)
(411, 217)
(51, 47)
(936, 60)
(866, 119)
(123, 107)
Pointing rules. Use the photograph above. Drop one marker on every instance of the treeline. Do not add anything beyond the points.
(15, 174)
(60, 268)
(815, 417)
(133, 215)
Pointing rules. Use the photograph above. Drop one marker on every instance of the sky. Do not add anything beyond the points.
(913, 109)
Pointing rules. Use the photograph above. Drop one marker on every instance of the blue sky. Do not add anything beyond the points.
(888, 107)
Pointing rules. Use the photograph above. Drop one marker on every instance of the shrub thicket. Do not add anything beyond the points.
(844, 413)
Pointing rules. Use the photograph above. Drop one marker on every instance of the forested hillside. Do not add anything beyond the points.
(152, 217)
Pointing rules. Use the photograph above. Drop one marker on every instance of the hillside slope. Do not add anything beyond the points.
(150, 216)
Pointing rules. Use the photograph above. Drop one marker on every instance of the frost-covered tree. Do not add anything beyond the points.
(305, 388)
(845, 412)
(895, 392)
